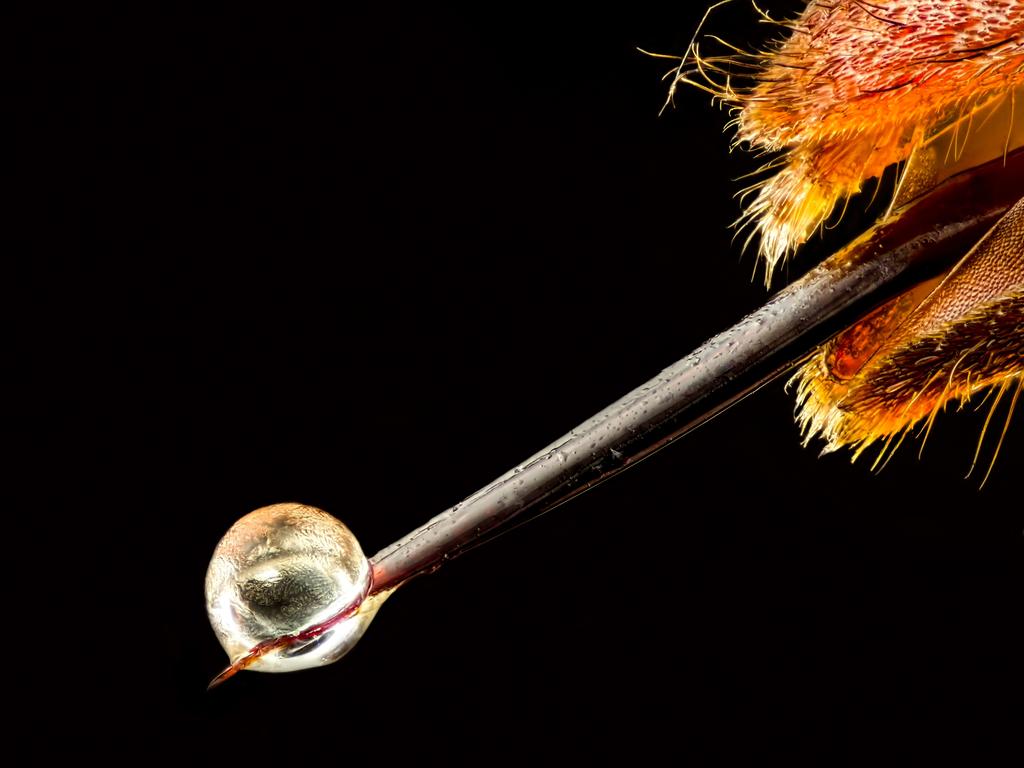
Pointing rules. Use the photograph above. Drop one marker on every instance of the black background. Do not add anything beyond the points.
(369, 260)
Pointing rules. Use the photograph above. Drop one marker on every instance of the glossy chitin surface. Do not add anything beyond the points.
(903, 363)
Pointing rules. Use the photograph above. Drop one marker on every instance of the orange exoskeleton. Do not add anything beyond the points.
(857, 87)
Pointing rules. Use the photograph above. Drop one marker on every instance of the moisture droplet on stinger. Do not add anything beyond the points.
(280, 571)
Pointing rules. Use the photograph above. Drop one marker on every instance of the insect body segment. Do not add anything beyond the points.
(855, 88)
(936, 86)
(904, 362)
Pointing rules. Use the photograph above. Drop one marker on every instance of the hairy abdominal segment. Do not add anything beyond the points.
(857, 87)
(942, 342)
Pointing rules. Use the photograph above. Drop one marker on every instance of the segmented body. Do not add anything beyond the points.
(854, 88)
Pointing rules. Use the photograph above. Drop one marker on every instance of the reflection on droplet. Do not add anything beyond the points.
(285, 589)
